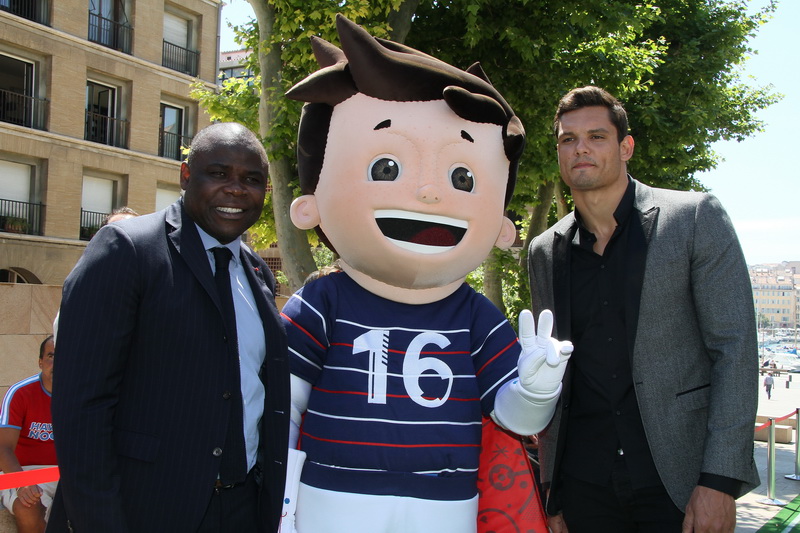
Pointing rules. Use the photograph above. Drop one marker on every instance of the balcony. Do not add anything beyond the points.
(169, 145)
(22, 110)
(20, 217)
(110, 33)
(91, 222)
(179, 58)
(35, 10)
(106, 130)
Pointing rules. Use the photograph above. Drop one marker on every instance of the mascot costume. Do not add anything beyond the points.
(406, 165)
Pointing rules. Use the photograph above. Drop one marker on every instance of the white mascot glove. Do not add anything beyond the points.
(525, 405)
(543, 359)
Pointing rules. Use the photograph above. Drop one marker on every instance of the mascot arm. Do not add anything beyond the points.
(301, 390)
(526, 404)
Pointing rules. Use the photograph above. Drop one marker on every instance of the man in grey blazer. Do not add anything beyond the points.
(654, 428)
(171, 385)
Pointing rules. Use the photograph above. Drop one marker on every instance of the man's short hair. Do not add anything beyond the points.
(211, 137)
(591, 96)
(44, 343)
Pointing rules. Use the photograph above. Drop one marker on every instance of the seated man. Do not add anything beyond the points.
(26, 442)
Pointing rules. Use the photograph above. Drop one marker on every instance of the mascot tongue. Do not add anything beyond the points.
(434, 236)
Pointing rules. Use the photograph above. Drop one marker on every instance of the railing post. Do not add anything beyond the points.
(796, 475)
(770, 499)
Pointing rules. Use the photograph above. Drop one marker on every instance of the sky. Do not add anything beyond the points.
(757, 182)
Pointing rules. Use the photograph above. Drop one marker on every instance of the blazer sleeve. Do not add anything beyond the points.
(89, 369)
(723, 301)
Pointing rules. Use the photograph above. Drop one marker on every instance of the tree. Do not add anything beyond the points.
(280, 39)
(672, 62)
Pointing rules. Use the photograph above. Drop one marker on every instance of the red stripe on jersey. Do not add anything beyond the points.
(401, 352)
(387, 445)
(498, 354)
(360, 393)
(298, 326)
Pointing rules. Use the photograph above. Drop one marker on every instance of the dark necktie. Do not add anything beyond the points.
(233, 467)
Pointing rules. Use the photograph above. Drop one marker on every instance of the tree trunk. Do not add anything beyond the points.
(538, 217)
(493, 283)
(400, 20)
(292, 242)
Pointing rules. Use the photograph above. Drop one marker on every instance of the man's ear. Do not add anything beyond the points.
(626, 148)
(184, 175)
(304, 212)
(508, 234)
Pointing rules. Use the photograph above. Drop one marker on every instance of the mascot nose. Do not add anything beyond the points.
(429, 194)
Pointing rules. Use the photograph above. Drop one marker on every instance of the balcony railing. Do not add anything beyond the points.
(169, 145)
(23, 110)
(110, 33)
(179, 58)
(106, 130)
(35, 10)
(20, 217)
(91, 221)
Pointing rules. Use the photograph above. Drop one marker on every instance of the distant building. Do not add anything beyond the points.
(232, 65)
(776, 293)
(94, 110)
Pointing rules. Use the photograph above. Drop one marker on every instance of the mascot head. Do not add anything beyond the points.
(406, 164)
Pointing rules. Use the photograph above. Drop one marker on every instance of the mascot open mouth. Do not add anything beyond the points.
(421, 233)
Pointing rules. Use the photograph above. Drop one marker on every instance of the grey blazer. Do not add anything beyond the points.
(694, 354)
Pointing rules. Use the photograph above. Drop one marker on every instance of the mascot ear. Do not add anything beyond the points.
(304, 212)
(508, 234)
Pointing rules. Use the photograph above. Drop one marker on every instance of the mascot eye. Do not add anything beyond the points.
(384, 169)
(462, 179)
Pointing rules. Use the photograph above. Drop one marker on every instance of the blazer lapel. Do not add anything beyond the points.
(641, 230)
(270, 317)
(184, 237)
(561, 280)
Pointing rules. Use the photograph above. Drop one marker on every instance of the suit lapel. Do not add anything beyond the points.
(182, 232)
(641, 230)
(561, 280)
(266, 308)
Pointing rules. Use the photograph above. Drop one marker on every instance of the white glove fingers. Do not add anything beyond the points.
(527, 331)
(545, 329)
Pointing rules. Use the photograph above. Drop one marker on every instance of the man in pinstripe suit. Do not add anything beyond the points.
(156, 394)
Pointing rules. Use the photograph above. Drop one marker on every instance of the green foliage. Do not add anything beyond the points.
(674, 63)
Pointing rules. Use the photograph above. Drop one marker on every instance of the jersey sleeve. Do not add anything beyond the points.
(496, 351)
(305, 317)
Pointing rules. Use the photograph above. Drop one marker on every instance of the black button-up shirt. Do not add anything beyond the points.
(604, 420)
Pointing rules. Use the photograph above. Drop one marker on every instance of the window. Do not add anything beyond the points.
(102, 124)
(98, 199)
(18, 93)
(166, 195)
(18, 213)
(172, 135)
(177, 52)
(35, 10)
(109, 25)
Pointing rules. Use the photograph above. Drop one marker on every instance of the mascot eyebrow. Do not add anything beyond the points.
(374, 67)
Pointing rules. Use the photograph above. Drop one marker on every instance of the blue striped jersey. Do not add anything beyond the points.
(398, 390)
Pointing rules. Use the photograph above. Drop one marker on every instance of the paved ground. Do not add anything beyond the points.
(752, 512)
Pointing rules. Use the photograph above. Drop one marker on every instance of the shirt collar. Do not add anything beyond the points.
(585, 239)
(210, 242)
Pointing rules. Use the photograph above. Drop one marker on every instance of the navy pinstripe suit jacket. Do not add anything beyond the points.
(138, 403)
